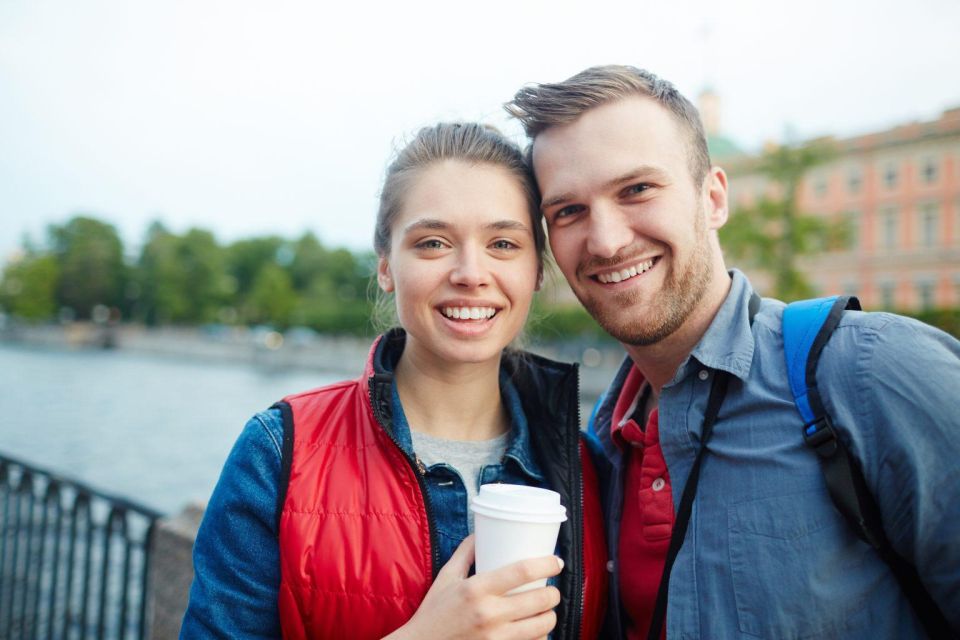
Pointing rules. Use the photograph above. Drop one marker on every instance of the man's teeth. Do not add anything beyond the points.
(625, 274)
(469, 313)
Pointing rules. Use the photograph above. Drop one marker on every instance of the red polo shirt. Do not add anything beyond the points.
(647, 520)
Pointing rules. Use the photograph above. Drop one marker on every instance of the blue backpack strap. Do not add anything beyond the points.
(807, 326)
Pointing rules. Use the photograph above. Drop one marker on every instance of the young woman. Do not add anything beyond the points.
(343, 512)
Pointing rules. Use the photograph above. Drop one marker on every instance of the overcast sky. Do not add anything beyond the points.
(277, 117)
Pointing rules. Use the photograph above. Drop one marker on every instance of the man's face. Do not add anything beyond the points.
(629, 228)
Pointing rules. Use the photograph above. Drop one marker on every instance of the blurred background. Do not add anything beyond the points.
(188, 189)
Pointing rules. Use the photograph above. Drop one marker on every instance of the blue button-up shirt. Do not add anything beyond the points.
(766, 553)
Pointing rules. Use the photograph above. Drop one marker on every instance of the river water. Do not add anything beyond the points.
(151, 428)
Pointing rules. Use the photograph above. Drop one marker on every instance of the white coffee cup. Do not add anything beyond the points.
(514, 522)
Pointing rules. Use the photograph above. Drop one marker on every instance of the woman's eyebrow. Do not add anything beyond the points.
(434, 224)
(425, 223)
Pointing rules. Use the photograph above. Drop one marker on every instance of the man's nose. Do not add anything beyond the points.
(609, 231)
(470, 270)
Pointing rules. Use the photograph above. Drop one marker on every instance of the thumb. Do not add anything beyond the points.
(458, 566)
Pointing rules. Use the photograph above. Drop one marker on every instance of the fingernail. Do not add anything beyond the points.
(560, 561)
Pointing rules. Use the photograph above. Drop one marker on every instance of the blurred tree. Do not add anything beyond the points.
(771, 234)
(182, 279)
(89, 254)
(28, 288)
(272, 298)
(309, 261)
(246, 257)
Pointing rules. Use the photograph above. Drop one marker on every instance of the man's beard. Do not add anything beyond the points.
(668, 310)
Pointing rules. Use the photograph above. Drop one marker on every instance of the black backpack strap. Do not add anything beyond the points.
(807, 326)
(286, 456)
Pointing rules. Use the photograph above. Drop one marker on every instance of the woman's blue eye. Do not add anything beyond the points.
(503, 244)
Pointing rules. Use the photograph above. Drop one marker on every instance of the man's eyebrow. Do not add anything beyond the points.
(643, 172)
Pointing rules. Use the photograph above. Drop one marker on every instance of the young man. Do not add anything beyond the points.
(633, 207)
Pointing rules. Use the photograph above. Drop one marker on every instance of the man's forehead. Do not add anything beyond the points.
(610, 140)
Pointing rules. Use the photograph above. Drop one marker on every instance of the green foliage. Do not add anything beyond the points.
(272, 298)
(90, 258)
(947, 320)
(182, 279)
(770, 235)
(29, 286)
(560, 322)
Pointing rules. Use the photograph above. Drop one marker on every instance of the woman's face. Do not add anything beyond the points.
(462, 263)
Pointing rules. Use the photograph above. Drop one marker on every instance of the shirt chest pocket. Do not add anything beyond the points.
(797, 570)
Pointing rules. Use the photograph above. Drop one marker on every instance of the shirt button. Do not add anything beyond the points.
(609, 566)
(704, 374)
(659, 484)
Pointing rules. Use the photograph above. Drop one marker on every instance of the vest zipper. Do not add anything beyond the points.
(419, 471)
(578, 538)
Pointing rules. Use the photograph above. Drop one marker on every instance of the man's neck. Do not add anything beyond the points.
(659, 362)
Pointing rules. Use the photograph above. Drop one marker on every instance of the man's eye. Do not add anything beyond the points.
(568, 211)
(432, 243)
(635, 189)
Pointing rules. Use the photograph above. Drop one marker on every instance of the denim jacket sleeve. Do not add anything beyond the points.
(899, 405)
(236, 555)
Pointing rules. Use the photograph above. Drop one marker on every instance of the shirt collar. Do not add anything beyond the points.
(728, 342)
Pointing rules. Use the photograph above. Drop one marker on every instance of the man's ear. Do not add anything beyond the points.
(384, 277)
(715, 197)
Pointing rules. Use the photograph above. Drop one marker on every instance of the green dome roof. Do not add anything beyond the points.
(722, 147)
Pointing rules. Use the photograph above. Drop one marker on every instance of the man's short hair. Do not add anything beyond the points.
(541, 106)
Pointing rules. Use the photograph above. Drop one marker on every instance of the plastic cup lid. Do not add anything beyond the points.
(519, 502)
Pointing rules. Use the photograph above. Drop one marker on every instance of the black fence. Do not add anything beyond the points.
(74, 561)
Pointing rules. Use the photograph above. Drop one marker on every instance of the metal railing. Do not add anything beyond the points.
(74, 561)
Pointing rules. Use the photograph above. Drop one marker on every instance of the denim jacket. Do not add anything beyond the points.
(236, 553)
(766, 554)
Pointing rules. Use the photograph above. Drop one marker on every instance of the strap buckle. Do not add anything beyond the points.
(820, 435)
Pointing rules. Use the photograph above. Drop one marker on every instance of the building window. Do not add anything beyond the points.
(854, 180)
(929, 225)
(929, 170)
(887, 291)
(890, 176)
(888, 228)
(852, 230)
(820, 186)
(925, 291)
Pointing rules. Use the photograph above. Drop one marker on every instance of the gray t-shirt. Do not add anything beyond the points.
(467, 457)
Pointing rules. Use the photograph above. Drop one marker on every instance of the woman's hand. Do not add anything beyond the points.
(477, 608)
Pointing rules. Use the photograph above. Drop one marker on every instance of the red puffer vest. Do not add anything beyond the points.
(355, 539)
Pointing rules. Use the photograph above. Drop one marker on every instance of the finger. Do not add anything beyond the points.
(526, 604)
(538, 626)
(458, 566)
(513, 575)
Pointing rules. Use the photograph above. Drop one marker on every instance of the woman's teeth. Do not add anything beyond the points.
(469, 313)
(625, 274)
